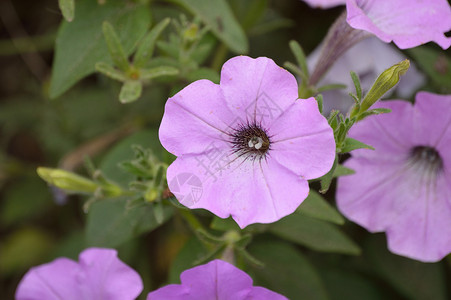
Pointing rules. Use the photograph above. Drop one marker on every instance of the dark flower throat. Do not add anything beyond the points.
(427, 156)
(251, 141)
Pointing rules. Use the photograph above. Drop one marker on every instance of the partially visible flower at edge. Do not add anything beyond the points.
(408, 23)
(367, 59)
(247, 146)
(214, 280)
(403, 187)
(99, 274)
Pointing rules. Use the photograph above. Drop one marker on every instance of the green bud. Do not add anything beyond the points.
(190, 34)
(151, 194)
(67, 181)
(388, 79)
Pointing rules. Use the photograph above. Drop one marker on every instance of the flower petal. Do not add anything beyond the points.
(408, 23)
(52, 281)
(250, 191)
(194, 117)
(260, 293)
(414, 211)
(303, 141)
(171, 292)
(391, 141)
(107, 277)
(257, 90)
(434, 119)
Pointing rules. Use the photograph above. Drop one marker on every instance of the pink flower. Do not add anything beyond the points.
(404, 186)
(215, 280)
(408, 23)
(247, 146)
(99, 275)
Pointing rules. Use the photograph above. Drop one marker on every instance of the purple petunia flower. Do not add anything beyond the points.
(408, 23)
(215, 280)
(99, 275)
(247, 146)
(404, 186)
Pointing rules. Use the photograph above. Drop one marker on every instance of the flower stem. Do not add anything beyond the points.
(338, 40)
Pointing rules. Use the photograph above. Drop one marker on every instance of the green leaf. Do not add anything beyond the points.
(344, 284)
(114, 47)
(131, 90)
(147, 74)
(413, 279)
(358, 88)
(80, 44)
(314, 234)
(110, 222)
(110, 71)
(352, 144)
(219, 17)
(123, 152)
(147, 45)
(333, 86)
(315, 206)
(341, 170)
(300, 56)
(67, 7)
(286, 271)
(224, 224)
(326, 180)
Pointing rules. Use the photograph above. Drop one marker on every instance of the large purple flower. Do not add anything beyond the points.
(247, 146)
(99, 275)
(215, 280)
(408, 23)
(404, 186)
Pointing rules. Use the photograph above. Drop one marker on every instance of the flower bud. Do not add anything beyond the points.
(67, 181)
(388, 79)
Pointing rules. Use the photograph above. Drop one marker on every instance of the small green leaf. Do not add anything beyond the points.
(130, 91)
(300, 56)
(341, 170)
(110, 223)
(67, 7)
(376, 111)
(319, 99)
(224, 224)
(110, 71)
(80, 44)
(315, 206)
(147, 45)
(147, 74)
(314, 234)
(219, 17)
(114, 47)
(358, 88)
(326, 180)
(352, 144)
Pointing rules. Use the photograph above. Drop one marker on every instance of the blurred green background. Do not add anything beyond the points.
(38, 224)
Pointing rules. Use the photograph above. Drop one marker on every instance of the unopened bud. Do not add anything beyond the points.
(388, 79)
(67, 181)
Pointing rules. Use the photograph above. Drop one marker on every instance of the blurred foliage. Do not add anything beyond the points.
(58, 112)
